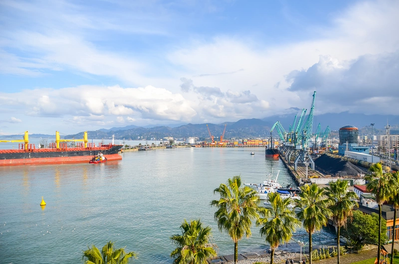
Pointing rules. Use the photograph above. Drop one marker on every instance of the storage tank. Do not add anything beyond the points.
(348, 134)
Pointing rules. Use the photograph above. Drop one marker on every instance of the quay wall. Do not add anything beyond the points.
(290, 172)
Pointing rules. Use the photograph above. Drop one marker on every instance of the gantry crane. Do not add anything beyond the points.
(212, 137)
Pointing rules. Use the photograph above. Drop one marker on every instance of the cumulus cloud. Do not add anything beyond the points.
(15, 120)
(369, 82)
(213, 103)
(148, 102)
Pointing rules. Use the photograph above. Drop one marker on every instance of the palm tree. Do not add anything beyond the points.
(342, 204)
(278, 221)
(380, 184)
(193, 245)
(107, 255)
(395, 203)
(312, 210)
(237, 207)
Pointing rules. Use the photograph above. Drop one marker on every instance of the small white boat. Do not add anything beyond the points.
(293, 196)
(268, 186)
(252, 153)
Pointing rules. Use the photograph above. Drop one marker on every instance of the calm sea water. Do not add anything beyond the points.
(139, 202)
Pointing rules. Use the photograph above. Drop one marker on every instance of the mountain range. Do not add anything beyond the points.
(244, 128)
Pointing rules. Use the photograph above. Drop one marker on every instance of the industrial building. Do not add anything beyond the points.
(348, 141)
(362, 156)
(390, 141)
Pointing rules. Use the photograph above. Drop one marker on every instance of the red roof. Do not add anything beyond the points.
(361, 188)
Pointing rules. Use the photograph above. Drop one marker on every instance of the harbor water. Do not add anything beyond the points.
(138, 202)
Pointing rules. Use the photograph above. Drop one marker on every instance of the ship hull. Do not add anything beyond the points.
(51, 156)
(272, 153)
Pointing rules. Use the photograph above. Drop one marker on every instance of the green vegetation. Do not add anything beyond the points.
(394, 200)
(372, 261)
(380, 184)
(312, 210)
(107, 255)
(237, 207)
(342, 203)
(278, 222)
(363, 229)
(193, 246)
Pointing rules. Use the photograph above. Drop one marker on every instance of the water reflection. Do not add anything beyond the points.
(57, 178)
(25, 179)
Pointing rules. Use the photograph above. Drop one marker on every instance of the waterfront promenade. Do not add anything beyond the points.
(281, 256)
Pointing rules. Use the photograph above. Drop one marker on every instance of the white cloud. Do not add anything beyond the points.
(365, 28)
(15, 120)
(367, 84)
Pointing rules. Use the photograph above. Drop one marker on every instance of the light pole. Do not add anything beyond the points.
(372, 144)
(301, 244)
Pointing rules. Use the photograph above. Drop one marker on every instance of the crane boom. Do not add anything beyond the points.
(224, 130)
(58, 139)
(25, 140)
(291, 129)
(212, 138)
(308, 127)
(300, 120)
(279, 128)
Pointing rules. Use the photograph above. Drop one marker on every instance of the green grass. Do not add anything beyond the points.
(371, 261)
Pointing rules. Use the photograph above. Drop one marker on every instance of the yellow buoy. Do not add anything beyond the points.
(43, 203)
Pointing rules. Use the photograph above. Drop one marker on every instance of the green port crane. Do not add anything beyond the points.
(278, 127)
(308, 127)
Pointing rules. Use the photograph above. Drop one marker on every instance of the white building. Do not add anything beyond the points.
(362, 156)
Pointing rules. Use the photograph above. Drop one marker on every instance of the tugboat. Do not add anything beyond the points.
(98, 159)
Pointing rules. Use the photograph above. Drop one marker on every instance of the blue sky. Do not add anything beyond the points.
(83, 65)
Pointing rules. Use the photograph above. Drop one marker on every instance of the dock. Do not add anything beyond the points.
(299, 175)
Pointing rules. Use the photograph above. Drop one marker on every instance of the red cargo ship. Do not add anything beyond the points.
(272, 152)
(56, 153)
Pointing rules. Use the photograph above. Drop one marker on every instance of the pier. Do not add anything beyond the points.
(299, 175)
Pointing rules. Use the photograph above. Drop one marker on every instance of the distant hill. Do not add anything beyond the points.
(9, 137)
(245, 128)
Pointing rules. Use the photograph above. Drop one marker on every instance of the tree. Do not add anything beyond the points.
(394, 200)
(312, 210)
(107, 255)
(237, 207)
(278, 221)
(342, 203)
(380, 184)
(363, 229)
(193, 246)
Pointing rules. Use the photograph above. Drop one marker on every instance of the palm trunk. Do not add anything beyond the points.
(338, 244)
(272, 256)
(394, 232)
(379, 233)
(310, 247)
(235, 252)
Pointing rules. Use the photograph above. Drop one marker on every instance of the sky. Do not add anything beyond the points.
(75, 66)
